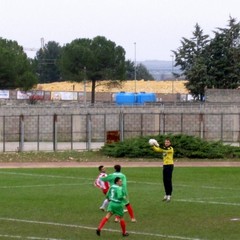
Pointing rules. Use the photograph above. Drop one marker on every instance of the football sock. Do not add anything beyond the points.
(105, 203)
(102, 223)
(123, 226)
(130, 210)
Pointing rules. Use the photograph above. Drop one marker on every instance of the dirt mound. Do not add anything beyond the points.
(127, 86)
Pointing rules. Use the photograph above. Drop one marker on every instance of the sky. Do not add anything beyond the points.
(146, 29)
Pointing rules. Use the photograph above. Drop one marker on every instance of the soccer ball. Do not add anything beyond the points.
(153, 142)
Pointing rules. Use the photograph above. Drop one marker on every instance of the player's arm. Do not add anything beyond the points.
(124, 186)
(108, 194)
(157, 149)
(96, 183)
(107, 178)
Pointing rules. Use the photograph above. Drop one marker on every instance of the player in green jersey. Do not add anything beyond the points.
(110, 178)
(116, 196)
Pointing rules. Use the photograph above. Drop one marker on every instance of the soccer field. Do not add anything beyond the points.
(63, 204)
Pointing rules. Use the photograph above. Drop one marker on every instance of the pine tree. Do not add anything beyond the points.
(210, 63)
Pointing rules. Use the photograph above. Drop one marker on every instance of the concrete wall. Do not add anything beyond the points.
(223, 95)
(210, 121)
(73, 121)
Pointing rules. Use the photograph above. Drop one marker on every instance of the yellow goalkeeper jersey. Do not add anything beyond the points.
(167, 154)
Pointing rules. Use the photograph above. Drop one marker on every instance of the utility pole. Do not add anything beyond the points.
(42, 43)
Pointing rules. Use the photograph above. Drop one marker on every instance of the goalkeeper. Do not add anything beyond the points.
(168, 166)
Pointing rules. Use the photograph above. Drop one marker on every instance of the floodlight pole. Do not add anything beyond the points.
(135, 68)
(172, 72)
(84, 85)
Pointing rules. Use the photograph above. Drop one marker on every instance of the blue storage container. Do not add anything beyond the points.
(143, 97)
(125, 98)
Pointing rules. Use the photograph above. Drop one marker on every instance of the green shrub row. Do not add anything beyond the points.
(184, 147)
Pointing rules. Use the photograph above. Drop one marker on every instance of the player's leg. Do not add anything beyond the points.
(123, 227)
(130, 211)
(119, 213)
(103, 222)
(104, 205)
(167, 179)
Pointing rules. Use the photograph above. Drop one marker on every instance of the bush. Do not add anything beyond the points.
(184, 147)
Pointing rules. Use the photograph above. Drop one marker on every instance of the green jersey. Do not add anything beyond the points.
(117, 200)
(116, 194)
(111, 177)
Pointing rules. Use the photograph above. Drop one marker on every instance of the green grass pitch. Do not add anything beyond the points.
(63, 204)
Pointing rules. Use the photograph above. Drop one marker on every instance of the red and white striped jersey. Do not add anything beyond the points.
(100, 184)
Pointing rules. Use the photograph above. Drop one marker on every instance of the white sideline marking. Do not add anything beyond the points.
(218, 188)
(44, 185)
(207, 187)
(208, 202)
(91, 179)
(184, 185)
(31, 238)
(43, 175)
(92, 228)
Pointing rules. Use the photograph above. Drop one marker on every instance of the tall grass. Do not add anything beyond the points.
(62, 203)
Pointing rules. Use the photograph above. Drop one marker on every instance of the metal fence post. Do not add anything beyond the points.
(160, 117)
(201, 125)
(4, 134)
(38, 132)
(105, 127)
(181, 117)
(71, 132)
(55, 132)
(121, 125)
(89, 132)
(221, 126)
(164, 123)
(21, 132)
(238, 130)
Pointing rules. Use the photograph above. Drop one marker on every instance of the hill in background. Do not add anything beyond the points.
(161, 70)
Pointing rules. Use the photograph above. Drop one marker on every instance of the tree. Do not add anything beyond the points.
(130, 70)
(101, 59)
(46, 62)
(141, 71)
(15, 68)
(223, 57)
(209, 63)
(191, 59)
